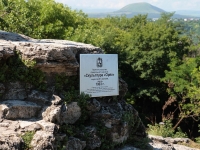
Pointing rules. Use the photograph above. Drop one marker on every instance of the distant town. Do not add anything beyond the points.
(178, 19)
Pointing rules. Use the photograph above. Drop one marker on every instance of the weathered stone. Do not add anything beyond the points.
(54, 56)
(15, 90)
(29, 125)
(177, 140)
(4, 124)
(56, 100)
(39, 97)
(51, 56)
(93, 141)
(8, 127)
(48, 126)
(3, 111)
(182, 147)
(103, 114)
(16, 109)
(43, 140)
(10, 142)
(111, 116)
(6, 49)
(160, 143)
(10, 36)
(52, 114)
(75, 144)
(93, 105)
(72, 113)
(120, 134)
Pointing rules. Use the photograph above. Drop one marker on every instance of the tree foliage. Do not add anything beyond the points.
(184, 85)
(39, 18)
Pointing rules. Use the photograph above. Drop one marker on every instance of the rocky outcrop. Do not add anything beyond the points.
(52, 116)
(17, 109)
(10, 142)
(71, 114)
(42, 140)
(75, 144)
(50, 56)
(160, 143)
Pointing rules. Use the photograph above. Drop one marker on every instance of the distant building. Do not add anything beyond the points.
(154, 19)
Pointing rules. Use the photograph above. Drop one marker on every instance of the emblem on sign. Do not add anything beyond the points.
(99, 62)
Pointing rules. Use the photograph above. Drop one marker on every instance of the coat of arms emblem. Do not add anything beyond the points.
(99, 62)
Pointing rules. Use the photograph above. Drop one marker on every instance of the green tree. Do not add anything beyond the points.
(183, 81)
(39, 18)
(151, 47)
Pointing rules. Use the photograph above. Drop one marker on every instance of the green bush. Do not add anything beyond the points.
(15, 69)
(27, 138)
(165, 129)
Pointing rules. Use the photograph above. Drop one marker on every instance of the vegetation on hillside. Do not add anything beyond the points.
(159, 60)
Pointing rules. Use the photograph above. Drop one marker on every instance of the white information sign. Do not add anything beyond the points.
(99, 74)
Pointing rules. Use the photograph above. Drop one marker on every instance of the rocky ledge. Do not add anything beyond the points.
(50, 56)
(52, 118)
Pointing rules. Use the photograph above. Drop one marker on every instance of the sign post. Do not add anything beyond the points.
(99, 74)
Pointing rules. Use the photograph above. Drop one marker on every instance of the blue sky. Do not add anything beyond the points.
(168, 5)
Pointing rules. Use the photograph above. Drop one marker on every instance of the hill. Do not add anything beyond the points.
(134, 9)
(141, 8)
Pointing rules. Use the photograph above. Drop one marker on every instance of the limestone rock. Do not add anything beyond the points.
(16, 109)
(93, 141)
(10, 36)
(15, 90)
(75, 144)
(52, 114)
(6, 48)
(120, 134)
(38, 97)
(72, 113)
(51, 56)
(93, 105)
(182, 147)
(43, 140)
(10, 142)
(48, 126)
(56, 100)
(29, 125)
(8, 127)
(111, 116)
(160, 143)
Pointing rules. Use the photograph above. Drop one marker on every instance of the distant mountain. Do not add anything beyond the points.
(194, 13)
(139, 8)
